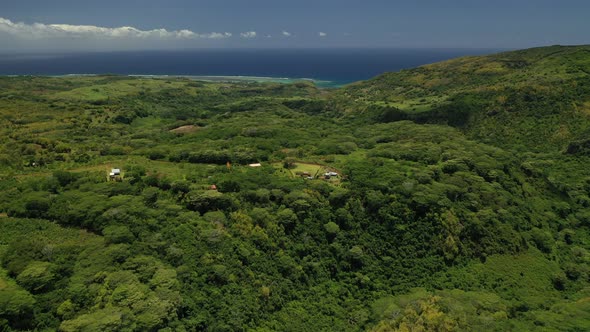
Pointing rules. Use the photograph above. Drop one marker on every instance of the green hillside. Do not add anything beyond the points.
(536, 99)
(450, 197)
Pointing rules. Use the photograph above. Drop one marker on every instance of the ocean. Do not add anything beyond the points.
(329, 67)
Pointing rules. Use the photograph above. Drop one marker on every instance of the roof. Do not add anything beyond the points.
(116, 170)
(255, 165)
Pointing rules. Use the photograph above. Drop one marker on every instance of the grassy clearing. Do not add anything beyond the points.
(149, 122)
(421, 104)
(312, 169)
(315, 170)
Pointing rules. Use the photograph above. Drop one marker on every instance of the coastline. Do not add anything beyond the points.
(257, 79)
(218, 78)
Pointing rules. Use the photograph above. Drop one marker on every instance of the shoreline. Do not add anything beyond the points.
(215, 78)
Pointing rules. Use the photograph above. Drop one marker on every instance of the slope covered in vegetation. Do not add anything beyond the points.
(461, 201)
(534, 99)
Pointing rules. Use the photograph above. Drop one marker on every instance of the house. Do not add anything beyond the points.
(255, 165)
(332, 173)
(115, 174)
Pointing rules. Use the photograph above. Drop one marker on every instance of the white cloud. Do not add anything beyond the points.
(248, 34)
(215, 35)
(322, 34)
(286, 33)
(45, 31)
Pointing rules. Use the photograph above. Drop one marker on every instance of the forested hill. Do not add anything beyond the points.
(450, 197)
(535, 99)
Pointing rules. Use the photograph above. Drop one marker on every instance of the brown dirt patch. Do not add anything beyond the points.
(185, 129)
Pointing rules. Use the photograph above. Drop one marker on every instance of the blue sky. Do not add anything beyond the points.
(170, 24)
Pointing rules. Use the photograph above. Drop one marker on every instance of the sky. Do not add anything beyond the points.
(58, 25)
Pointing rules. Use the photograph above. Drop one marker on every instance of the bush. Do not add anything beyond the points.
(542, 240)
(64, 178)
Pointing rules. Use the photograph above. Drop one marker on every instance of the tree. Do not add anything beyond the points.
(108, 319)
(289, 163)
(209, 200)
(14, 302)
(332, 229)
(118, 234)
(37, 276)
(64, 178)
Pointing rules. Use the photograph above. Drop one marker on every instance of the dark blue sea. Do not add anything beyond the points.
(338, 66)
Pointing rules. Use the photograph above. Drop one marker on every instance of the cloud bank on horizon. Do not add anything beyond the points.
(17, 36)
(42, 36)
(45, 31)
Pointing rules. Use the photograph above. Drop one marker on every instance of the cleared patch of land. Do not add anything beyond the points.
(312, 169)
(185, 129)
(422, 104)
(306, 169)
